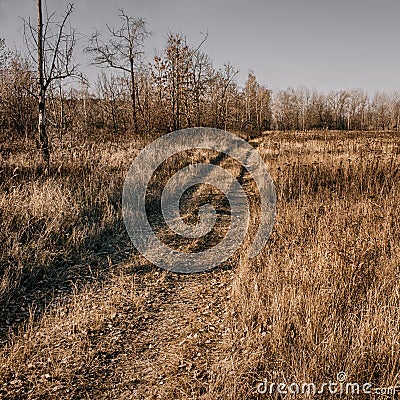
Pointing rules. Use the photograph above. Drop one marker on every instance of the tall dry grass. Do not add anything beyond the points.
(61, 228)
(323, 297)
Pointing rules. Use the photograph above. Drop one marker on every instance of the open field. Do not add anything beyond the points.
(84, 316)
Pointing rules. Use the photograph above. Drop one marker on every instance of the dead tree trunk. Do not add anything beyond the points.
(42, 134)
(43, 139)
(133, 94)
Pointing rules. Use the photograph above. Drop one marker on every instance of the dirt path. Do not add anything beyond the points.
(168, 348)
(144, 333)
(171, 342)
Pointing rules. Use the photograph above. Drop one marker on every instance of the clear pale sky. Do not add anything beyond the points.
(322, 44)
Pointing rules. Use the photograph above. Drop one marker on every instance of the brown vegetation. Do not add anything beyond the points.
(83, 316)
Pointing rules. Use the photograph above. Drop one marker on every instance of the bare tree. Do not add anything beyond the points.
(54, 46)
(257, 104)
(224, 83)
(122, 51)
(180, 76)
(202, 68)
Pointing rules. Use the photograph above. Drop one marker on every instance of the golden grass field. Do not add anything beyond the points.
(84, 316)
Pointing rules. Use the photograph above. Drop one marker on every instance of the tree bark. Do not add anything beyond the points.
(133, 95)
(42, 134)
(43, 139)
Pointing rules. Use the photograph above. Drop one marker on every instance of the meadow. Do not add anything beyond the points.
(84, 316)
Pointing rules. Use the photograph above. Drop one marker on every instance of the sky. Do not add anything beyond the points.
(321, 44)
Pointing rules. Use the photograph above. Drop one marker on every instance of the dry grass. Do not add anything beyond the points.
(85, 317)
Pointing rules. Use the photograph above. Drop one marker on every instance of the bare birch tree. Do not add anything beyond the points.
(54, 45)
(122, 51)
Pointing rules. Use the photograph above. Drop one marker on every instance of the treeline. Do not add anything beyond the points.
(178, 88)
(303, 109)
